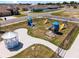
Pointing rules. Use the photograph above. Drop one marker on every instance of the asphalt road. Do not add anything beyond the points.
(36, 15)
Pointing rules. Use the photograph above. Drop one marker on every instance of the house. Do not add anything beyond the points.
(7, 10)
(4, 12)
(13, 10)
(45, 7)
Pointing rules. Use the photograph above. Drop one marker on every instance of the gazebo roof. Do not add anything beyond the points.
(9, 35)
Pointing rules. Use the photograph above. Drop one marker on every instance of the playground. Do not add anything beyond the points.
(46, 31)
(43, 28)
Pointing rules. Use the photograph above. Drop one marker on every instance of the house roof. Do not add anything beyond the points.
(44, 6)
(3, 9)
(9, 35)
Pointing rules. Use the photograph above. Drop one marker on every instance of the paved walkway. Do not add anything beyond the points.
(27, 41)
(73, 52)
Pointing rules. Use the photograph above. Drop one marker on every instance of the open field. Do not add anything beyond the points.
(51, 11)
(40, 30)
(66, 14)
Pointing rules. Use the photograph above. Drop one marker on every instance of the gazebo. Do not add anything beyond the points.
(10, 39)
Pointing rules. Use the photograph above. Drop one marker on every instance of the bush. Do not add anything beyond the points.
(37, 10)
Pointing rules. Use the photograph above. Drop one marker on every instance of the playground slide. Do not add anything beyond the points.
(45, 21)
(61, 27)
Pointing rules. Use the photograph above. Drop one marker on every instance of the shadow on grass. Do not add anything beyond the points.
(59, 33)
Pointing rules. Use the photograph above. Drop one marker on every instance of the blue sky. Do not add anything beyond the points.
(33, 1)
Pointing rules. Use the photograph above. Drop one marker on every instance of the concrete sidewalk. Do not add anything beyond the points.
(73, 52)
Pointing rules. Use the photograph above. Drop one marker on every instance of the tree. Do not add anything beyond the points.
(75, 6)
(58, 3)
(53, 3)
(49, 3)
(72, 2)
(65, 2)
(40, 4)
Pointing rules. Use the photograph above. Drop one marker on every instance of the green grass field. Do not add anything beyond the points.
(1, 19)
(20, 15)
(36, 51)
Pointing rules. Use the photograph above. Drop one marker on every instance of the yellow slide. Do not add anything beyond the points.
(45, 22)
(61, 27)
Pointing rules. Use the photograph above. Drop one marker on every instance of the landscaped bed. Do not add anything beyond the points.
(40, 30)
(36, 51)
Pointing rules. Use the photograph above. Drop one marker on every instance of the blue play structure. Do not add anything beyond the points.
(30, 22)
(55, 26)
